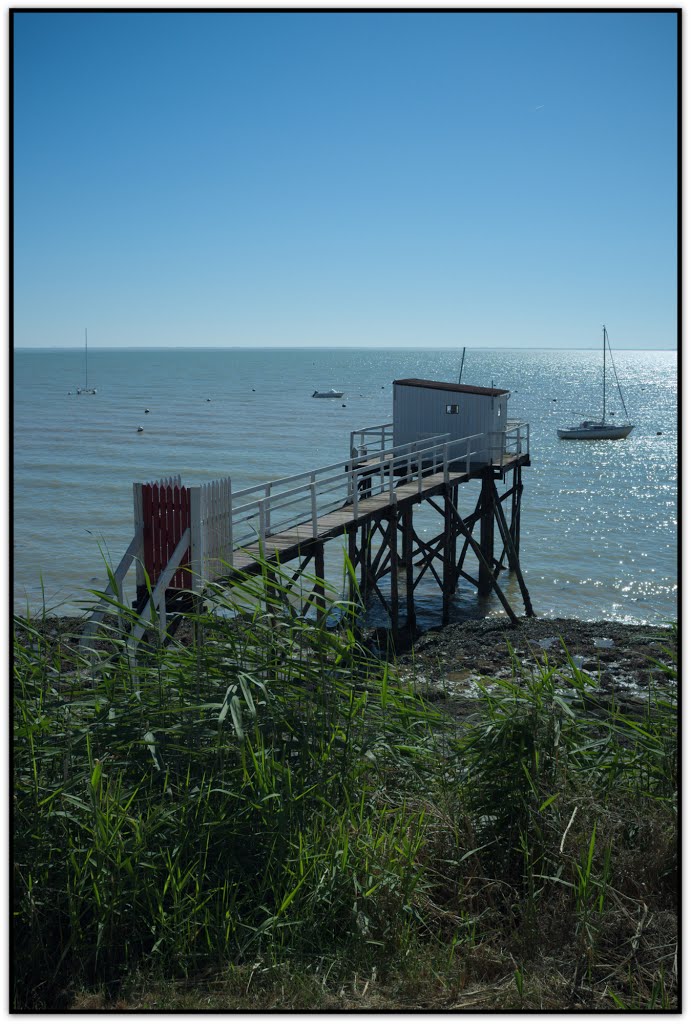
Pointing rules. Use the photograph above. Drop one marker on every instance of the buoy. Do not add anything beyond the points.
(146, 410)
(140, 430)
(208, 399)
(659, 433)
(554, 399)
(343, 405)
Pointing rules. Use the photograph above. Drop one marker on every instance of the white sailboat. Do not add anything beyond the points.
(86, 390)
(600, 430)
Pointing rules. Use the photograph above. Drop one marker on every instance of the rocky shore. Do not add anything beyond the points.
(622, 658)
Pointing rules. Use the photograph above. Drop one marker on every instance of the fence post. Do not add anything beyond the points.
(138, 522)
(229, 514)
(313, 490)
(196, 539)
(262, 522)
(267, 511)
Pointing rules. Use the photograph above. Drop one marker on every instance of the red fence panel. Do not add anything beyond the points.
(166, 515)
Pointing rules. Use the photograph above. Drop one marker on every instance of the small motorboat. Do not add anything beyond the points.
(327, 394)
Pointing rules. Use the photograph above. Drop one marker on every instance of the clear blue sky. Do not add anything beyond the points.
(434, 179)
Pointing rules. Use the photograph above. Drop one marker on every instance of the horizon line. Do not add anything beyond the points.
(330, 348)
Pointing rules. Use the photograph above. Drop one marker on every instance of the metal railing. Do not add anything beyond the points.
(259, 512)
(509, 443)
(379, 437)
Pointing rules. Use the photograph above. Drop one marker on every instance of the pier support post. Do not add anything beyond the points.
(365, 561)
(514, 563)
(486, 575)
(449, 557)
(393, 570)
(352, 558)
(407, 525)
(319, 596)
(515, 526)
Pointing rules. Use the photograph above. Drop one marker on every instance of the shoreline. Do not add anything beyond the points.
(623, 657)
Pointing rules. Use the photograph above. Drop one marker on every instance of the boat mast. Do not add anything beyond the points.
(462, 361)
(86, 362)
(604, 369)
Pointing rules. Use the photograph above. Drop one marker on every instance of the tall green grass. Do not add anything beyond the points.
(272, 793)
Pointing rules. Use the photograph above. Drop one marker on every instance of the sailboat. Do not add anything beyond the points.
(599, 430)
(86, 390)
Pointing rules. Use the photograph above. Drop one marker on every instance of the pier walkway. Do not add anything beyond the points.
(188, 537)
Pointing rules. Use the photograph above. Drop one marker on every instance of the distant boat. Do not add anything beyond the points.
(600, 430)
(328, 394)
(86, 390)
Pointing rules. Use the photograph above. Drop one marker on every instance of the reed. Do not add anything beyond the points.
(272, 794)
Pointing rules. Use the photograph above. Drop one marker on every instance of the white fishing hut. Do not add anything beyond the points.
(427, 408)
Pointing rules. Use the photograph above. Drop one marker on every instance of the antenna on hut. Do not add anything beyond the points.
(462, 361)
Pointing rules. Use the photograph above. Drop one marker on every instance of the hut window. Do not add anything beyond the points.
(452, 408)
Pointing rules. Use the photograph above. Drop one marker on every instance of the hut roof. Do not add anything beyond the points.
(466, 389)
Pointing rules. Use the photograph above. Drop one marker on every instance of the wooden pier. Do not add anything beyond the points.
(188, 537)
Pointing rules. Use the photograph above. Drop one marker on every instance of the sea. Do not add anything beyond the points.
(598, 522)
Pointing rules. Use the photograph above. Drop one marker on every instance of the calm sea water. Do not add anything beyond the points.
(598, 528)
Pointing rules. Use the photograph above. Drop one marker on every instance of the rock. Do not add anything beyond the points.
(492, 647)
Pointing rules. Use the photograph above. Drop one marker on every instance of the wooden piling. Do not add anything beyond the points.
(486, 573)
(511, 553)
(449, 578)
(393, 572)
(353, 559)
(407, 546)
(319, 595)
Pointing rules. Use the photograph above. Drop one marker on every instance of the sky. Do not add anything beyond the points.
(345, 179)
